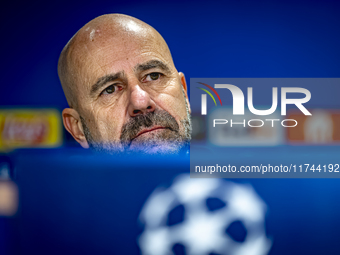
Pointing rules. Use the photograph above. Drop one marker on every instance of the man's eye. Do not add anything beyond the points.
(152, 76)
(109, 90)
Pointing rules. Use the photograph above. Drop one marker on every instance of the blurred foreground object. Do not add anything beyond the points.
(74, 202)
(8, 198)
(204, 216)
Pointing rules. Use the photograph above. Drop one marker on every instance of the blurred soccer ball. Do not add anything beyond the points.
(204, 216)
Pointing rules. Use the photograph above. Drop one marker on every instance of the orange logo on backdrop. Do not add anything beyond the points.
(323, 127)
(29, 128)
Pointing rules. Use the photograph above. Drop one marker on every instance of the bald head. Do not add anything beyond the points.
(93, 45)
(123, 89)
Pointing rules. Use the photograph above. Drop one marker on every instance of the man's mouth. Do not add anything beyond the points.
(148, 130)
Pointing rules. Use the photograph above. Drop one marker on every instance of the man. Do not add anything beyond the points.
(123, 89)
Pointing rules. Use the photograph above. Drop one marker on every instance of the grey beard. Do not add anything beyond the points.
(171, 141)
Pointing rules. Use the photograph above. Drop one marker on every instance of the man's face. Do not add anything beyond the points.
(130, 95)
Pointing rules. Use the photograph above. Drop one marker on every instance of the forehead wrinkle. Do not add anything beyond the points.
(94, 60)
(98, 54)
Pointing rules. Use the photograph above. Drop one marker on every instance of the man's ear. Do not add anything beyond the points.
(184, 84)
(73, 125)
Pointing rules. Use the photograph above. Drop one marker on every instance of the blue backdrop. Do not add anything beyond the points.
(207, 39)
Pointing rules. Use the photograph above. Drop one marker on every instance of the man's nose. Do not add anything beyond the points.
(140, 102)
